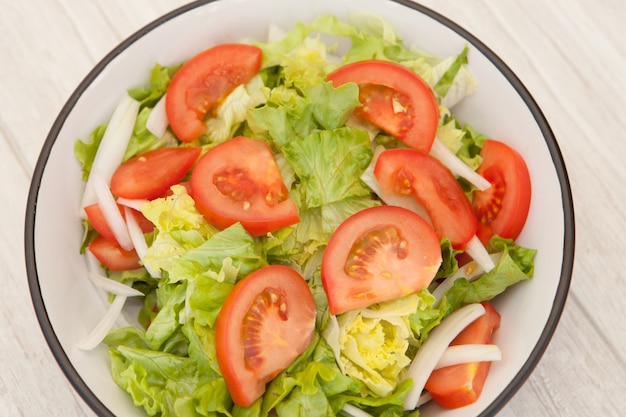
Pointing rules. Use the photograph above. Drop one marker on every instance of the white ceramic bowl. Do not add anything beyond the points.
(502, 108)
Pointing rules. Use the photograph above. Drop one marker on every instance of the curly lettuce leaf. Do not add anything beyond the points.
(169, 384)
(179, 226)
(160, 78)
(85, 151)
(142, 140)
(371, 345)
(515, 265)
(330, 164)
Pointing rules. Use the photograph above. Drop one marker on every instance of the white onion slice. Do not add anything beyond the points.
(477, 251)
(106, 323)
(135, 233)
(134, 204)
(110, 210)
(470, 271)
(112, 286)
(455, 355)
(113, 145)
(438, 341)
(157, 120)
(139, 241)
(424, 398)
(457, 166)
(355, 411)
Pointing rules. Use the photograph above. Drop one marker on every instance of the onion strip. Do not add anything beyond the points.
(110, 210)
(457, 166)
(106, 323)
(112, 286)
(113, 145)
(157, 120)
(470, 271)
(431, 350)
(477, 251)
(355, 411)
(459, 354)
(139, 241)
(134, 204)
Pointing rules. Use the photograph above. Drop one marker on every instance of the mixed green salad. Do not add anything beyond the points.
(301, 152)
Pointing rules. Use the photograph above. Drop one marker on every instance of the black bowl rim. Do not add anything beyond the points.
(568, 210)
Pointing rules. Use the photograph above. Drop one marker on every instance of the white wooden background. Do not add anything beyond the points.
(571, 54)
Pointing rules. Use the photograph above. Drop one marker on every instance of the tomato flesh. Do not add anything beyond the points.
(410, 172)
(378, 254)
(503, 208)
(150, 175)
(265, 323)
(460, 385)
(101, 225)
(204, 81)
(239, 181)
(393, 98)
(112, 256)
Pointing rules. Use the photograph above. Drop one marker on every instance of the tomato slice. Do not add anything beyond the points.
(460, 385)
(150, 175)
(100, 224)
(112, 256)
(265, 323)
(239, 181)
(378, 254)
(395, 99)
(204, 81)
(414, 173)
(502, 209)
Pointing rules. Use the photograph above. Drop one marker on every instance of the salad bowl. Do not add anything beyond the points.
(500, 108)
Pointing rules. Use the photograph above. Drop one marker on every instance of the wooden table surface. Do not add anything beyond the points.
(571, 55)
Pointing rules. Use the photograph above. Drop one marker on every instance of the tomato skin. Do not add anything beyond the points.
(204, 81)
(112, 256)
(100, 224)
(412, 172)
(265, 323)
(353, 277)
(417, 124)
(460, 385)
(239, 181)
(150, 175)
(503, 208)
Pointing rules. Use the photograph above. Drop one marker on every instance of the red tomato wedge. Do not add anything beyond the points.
(460, 385)
(151, 174)
(239, 181)
(265, 323)
(395, 99)
(378, 254)
(503, 208)
(112, 256)
(100, 224)
(410, 172)
(204, 81)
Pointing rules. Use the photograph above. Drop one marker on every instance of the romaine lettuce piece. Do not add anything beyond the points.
(329, 165)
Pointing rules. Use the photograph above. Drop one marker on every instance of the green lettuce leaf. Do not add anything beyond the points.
(167, 384)
(329, 165)
(515, 265)
(179, 226)
(85, 152)
(372, 344)
(160, 78)
(142, 140)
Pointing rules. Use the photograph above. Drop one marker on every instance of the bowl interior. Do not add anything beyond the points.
(67, 304)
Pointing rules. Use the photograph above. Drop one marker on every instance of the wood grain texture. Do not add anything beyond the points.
(570, 54)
